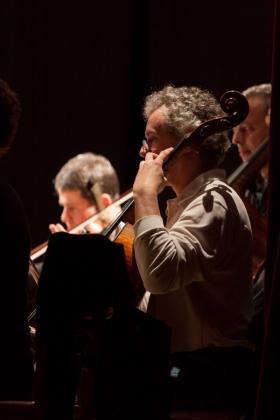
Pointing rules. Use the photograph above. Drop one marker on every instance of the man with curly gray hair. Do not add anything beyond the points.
(189, 265)
(184, 112)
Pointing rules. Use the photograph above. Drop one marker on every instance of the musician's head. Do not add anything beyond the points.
(10, 111)
(255, 128)
(173, 112)
(84, 185)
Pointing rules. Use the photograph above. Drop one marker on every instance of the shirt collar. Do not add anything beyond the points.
(194, 187)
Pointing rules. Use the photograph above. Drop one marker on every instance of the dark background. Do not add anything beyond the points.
(82, 69)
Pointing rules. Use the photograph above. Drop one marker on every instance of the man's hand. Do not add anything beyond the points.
(89, 228)
(150, 178)
(149, 181)
(56, 228)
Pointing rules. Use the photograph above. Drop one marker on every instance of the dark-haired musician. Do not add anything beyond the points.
(16, 365)
(196, 269)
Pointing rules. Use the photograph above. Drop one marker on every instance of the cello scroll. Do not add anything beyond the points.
(234, 104)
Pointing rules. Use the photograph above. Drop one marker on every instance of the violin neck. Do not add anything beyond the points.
(109, 229)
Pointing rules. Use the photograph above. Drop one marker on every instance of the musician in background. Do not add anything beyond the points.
(196, 268)
(85, 185)
(16, 364)
(250, 134)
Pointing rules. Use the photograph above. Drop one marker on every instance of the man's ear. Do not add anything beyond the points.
(267, 118)
(106, 199)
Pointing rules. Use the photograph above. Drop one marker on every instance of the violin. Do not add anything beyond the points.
(40, 250)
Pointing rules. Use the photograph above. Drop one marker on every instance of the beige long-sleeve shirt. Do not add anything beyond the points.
(198, 267)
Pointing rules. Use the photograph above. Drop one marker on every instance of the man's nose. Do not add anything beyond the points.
(64, 216)
(237, 136)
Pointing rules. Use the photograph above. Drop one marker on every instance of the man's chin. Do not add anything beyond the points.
(245, 156)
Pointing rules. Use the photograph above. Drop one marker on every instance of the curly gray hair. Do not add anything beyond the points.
(87, 168)
(185, 109)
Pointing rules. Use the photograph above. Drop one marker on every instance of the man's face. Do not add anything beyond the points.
(253, 130)
(76, 209)
(156, 133)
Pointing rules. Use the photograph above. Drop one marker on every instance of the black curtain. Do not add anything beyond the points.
(82, 70)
